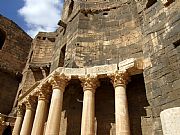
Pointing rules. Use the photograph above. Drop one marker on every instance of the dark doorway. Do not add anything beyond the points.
(71, 6)
(150, 3)
(62, 56)
(137, 102)
(7, 131)
(2, 38)
(72, 109)
(104, 108)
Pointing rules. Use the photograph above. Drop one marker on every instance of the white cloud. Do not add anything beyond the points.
(41, 15)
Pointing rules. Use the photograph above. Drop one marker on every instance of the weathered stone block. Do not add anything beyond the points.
(75, 71)
(126, 64)
(104, 69)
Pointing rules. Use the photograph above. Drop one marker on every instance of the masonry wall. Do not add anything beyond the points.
(161, 31)
(108, 32)
(8, 90)
(14, 52)
(13, 56)
(39, 60)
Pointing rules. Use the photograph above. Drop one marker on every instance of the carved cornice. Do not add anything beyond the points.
(89, 83)
(119, 78)
(59, 81)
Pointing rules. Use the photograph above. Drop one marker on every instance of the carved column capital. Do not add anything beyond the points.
(20, 110)
(59, 81)
(43, 96)
(43, 92)
(30, 103)
(2, 120)
(119, 78)
(89, 83)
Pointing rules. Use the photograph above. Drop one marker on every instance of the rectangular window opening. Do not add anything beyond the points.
(176, 44)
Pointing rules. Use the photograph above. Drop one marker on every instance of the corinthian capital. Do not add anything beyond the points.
(30, 103)
(59, 81)
(20, 110)
(89, 82)
(119, 78)
(43, 91)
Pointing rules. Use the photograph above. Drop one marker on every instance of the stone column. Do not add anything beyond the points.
(18, 122)
(59, 83)
(170, 119)
(119, 80)
(41, 113)
(28, 118)
(88, 112)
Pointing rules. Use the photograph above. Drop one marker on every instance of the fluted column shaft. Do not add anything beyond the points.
(18, 122)
(54, 117)
(28, 118)
(121, 106)
(88, 112)
(41, 114)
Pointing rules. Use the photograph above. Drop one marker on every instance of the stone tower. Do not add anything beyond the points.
(110, 68)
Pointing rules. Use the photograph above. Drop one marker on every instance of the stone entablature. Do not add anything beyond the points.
(132, 66)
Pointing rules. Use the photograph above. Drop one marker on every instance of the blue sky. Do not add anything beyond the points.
(33, 15)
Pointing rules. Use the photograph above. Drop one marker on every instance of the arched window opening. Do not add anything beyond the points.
(2, 38)
(71, 6)
(150, 3)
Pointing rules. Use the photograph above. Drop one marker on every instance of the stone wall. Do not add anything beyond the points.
(39, 60)
(14, 52)
(160, 26)
(13, 56)
(108, 32)
(8, 90)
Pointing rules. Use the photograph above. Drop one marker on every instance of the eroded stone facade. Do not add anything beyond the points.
(109, 69)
